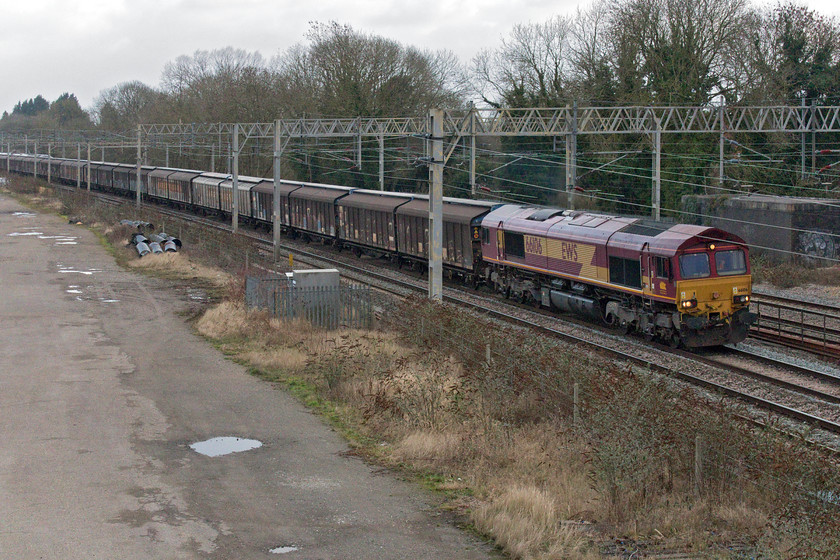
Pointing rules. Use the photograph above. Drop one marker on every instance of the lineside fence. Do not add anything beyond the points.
(324, 307)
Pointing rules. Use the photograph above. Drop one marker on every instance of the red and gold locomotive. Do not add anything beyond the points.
(682, 284)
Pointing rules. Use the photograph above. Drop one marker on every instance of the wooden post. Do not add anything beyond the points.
(576, 404)
(487, 355)
(699, 456)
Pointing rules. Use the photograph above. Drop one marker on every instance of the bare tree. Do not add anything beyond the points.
(220, 85)
(346, 73)
(123, 106)
(788, 52)
(592, 71)
(678, 46)
(529, 67)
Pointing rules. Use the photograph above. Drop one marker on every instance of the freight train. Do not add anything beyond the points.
(681, 284)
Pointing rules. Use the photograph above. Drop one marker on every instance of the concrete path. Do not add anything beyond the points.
(103, 388)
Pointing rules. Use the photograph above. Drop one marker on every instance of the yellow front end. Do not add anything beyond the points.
(714, 310)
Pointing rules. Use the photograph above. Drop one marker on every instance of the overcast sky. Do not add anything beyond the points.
(49, 47)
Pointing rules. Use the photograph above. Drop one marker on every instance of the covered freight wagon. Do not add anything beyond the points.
(461, 226)
(367, 219)
(312, 208)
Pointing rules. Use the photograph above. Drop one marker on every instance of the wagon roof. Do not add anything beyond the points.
(245, 182)
(184, 175)
(128, 168)
(162, 172)
(320, 193)
(374, 200)
(210, 179)
(265, 185)
(284, 187)
(458, 210)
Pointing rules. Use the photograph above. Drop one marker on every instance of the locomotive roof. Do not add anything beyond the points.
(621, 232)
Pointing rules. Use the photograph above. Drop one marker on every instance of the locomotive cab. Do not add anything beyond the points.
(713, 288)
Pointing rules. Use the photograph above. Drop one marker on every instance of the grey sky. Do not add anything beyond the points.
(48, 47)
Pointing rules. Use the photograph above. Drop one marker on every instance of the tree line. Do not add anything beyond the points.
(629, 52)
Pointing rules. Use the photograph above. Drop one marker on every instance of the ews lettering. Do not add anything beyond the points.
(568, 251)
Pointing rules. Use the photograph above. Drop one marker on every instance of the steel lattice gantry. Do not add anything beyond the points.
(453, 125)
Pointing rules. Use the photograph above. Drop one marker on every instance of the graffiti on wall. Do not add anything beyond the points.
(817, 244)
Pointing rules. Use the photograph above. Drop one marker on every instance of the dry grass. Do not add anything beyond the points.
(525, 522)
(274, 358)
(178, 265)
(426, 449)
(421, 402)
(227, 320)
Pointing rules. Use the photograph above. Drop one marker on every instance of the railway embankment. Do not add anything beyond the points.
(543, 447)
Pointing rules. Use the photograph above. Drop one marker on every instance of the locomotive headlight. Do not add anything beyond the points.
(741, 299)
(688, 304)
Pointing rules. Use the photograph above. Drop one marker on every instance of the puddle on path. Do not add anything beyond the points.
(70, 270)
(61, 239)
(224, 445)
(24, 214)
(74, 291)
(197, 294)
(283, 549)
(103, 300)
(25, 233)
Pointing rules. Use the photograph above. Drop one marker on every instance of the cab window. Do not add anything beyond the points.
(694, 265)
(732, 262)
(663, 267)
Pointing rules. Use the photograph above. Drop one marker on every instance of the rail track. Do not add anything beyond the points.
(805, 325)
(816, 407)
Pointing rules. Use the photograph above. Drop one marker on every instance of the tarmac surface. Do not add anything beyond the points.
(104, 388)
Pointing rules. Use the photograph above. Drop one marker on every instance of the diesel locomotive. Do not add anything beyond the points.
(681, 284)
